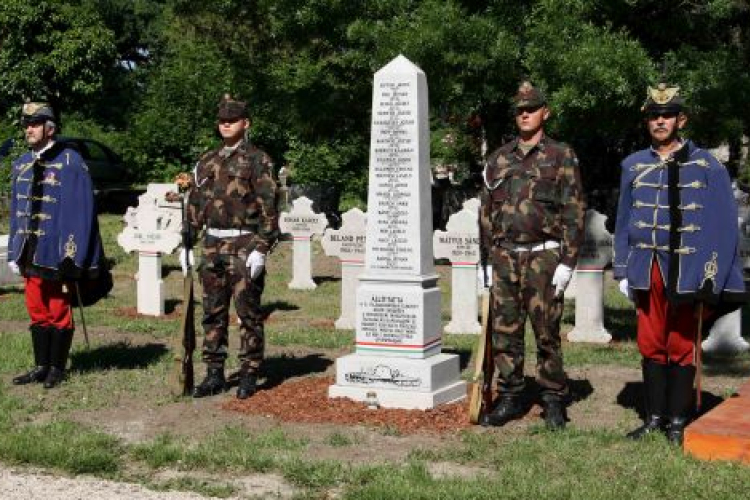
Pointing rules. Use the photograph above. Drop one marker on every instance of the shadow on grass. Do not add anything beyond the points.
(10, 290)
(277, 305)
(280, 368)
(621, 323)
(632, 397)
(323, 279)
(170, 305)
(730, 366)
(121, 356)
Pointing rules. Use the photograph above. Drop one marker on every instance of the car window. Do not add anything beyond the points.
(96, 152)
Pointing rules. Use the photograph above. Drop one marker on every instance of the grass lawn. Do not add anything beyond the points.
(115, 418)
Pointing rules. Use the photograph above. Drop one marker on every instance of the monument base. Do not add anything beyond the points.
(725, 338)
(601, 336)
(399, 382)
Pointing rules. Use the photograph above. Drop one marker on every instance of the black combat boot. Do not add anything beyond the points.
(214, 383)
(509, 408)
(655, 391)
(248, 384)
(61, 340)
(553, 411)
(40, 342)
(680, 401)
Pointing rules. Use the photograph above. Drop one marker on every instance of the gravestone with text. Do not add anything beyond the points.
(459, 243)
(152, 229)
(302, 223)
(725, 336)
(348, 244)
(595, 254)
(398, 361)
(7, 277)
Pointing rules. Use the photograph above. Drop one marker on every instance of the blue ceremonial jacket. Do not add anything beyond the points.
(52, 215)
(682, 213)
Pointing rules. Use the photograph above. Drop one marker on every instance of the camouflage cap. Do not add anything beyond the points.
(663, 98)
(36, 112)
(231, 109)
(529, 96)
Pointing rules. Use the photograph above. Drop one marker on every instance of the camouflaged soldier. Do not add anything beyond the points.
(234, 202)
(532, 221)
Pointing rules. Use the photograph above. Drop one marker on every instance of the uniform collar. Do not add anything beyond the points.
(38, 154)
(227, 151)
(685, 144)
(541, 145)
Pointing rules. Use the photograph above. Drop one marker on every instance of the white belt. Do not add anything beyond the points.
(226, 233)
(547, 245)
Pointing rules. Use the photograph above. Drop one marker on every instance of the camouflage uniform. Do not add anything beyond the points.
(234, 190)
(532, 200)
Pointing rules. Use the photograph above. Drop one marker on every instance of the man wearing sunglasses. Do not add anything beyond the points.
(54, 239)
(532, 220)
(233, 200)
(676, 256)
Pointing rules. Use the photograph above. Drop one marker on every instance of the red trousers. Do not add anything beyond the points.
(48, 303)
(666, 332)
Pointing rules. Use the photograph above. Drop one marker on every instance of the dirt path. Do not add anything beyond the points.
(26, 484)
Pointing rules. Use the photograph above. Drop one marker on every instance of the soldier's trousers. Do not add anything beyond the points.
(224, 278)
(521, 288)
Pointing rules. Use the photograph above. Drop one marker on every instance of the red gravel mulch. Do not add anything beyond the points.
(306, 400)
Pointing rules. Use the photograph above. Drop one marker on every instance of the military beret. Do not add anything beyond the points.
(529, 96)
(231, 109)
(36, 112)
(663, 98)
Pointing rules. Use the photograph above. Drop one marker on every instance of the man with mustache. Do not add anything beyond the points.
(676, 256)
(54, 239)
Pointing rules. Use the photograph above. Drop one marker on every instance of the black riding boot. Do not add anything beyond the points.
(60, 340)
(248, 384)
(680, 401)
(40, 342)
(655, 389)
(509, 408)
(214, 383)
(553, 407)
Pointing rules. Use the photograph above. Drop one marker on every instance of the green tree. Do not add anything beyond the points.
(53, 50)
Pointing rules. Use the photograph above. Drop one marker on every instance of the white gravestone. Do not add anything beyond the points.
(302, 223)
(152, 229)
(7, 277)
(460, 245)
(725, 336)
(595, 254)
(348, 244)
(398, 340)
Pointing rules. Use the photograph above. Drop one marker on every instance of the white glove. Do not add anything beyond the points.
(256, 261)
(626, 290)
(186, 257)
(14, 267)
(481, 272)
(561, 278)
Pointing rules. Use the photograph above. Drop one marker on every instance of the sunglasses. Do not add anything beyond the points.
(527, 109)
(667, 115)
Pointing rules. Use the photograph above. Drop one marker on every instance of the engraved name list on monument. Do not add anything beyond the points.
(394, 153)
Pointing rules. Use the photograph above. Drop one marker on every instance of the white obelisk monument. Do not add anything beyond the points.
(398, 340)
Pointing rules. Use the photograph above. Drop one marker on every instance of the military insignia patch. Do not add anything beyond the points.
(662, 94)
(70, 247)
(710, 269)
